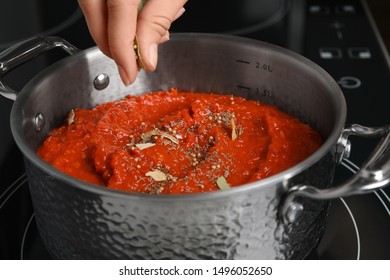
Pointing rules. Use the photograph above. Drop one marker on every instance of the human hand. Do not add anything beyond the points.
(113, 25)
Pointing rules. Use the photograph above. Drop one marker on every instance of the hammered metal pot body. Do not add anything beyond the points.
(78, 220)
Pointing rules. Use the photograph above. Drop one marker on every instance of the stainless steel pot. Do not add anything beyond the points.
(277, 218)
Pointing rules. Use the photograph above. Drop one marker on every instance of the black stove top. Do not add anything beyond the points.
(338, 35)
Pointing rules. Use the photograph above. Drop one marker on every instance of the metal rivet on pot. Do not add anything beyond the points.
(293, 212)
(347, 150)
(39, 122)
(101, 81)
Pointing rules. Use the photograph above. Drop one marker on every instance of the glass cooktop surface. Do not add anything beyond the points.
(323, 31)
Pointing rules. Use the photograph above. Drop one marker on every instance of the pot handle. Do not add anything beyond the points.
(25, 51)
(374, 174)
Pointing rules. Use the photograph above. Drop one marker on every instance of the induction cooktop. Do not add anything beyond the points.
(323, 31)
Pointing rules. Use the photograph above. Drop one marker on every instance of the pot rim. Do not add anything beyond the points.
(271, 181)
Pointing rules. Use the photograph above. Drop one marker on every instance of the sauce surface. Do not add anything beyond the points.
(178, 142)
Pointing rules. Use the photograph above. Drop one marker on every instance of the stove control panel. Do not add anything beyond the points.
(341, 36)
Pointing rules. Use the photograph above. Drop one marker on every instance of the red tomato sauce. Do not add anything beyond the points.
(178, 142)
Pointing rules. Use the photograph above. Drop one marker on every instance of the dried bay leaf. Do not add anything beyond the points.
(222, 183)
(234, 132)
(146, 137)
(71, 117)
(142, 146)
(157, 175)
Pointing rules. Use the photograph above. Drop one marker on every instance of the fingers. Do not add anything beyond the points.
(121, 27)
(114, 23)
(154, 21)
(95, 12)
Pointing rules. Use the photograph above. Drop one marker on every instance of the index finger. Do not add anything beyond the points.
(121, 26)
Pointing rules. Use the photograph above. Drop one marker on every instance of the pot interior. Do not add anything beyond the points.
(194, 62)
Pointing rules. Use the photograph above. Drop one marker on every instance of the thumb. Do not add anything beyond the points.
(153, 23)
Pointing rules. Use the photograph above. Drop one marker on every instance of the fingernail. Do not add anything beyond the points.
(153, 55)
(179, 13)
(124, 77)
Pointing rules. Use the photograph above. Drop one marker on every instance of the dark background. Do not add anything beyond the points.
(381, 11)
(11, 233)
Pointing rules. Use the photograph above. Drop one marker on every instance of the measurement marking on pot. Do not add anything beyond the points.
(264, 92)
(242, 61)
(264, 66)
(258, 65)
(243, 87)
